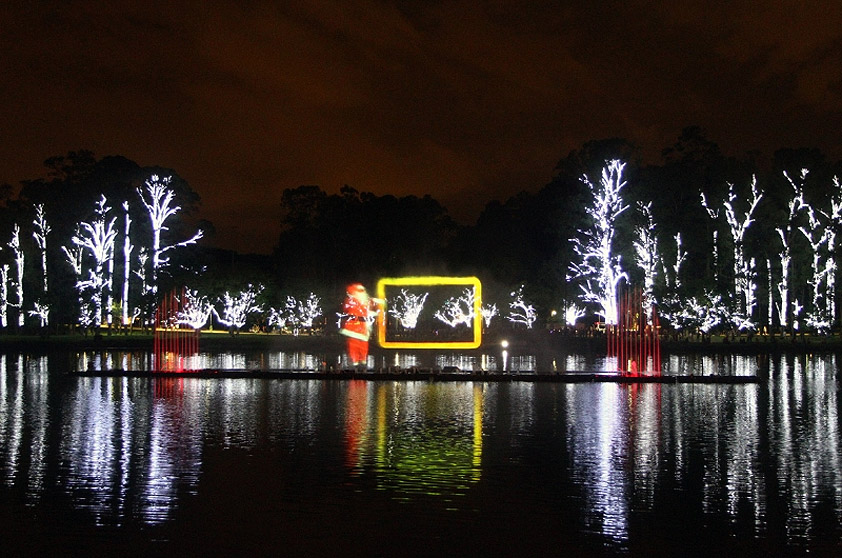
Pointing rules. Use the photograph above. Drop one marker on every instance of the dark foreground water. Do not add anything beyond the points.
(116, 466)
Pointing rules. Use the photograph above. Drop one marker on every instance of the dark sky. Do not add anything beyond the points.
(463, 100)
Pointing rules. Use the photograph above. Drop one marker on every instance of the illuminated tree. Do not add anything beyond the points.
(519, 311)
(14, 244)
(158, 198)
(140, 272)
(833, 219)
(572, 313)
(458, 310)
(406, 307)
(785, 234)
(42, 229)
(196, 311)
(704, 314)
(73, 256)
(4, 295)
(600, 268)
(488, 312)
(680, 257)
(236, 308)
(744, 268)
(302, 313)
(97, 237)
(128, 247)
(646, 251)
(42, 311)
(817, 236)
(277, 317)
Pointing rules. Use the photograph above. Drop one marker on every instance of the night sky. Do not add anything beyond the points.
(463, 101)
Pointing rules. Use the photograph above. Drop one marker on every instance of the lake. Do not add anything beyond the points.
(198, 466)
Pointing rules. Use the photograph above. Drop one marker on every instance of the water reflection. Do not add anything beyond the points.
(758, 460)
(415, 438)
(807, 463)
(488, 360)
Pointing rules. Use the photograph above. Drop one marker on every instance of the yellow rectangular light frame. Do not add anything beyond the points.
(426, 281)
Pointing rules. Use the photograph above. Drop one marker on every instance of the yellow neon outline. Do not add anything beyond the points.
(427, 281)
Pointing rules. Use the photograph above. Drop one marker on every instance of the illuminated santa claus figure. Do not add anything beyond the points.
(359, 312)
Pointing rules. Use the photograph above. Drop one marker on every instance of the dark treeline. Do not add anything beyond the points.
(526, 239)
(327, 240)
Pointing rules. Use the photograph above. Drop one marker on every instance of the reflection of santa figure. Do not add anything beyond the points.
(358, 312)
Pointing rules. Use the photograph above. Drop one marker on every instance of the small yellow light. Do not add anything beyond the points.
(505, 344)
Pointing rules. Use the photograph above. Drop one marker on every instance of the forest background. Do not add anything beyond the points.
(327, 240)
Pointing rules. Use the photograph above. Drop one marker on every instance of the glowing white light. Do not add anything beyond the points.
(744, 270)
(236, 308)
(458, 310)
(785, 233)
(158, 198)
(680, 256)
(703, 314)
(572, 313)
(302, 313)
(488, 312)
(4, 295)
(42, 229)
(600, 268)
(128, 247)
(97, 237)
(196, 311)
(406, 307)
(646, 251)
(42, 311)
(520, 312)
(14, 244)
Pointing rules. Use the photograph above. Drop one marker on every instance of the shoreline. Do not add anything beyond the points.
(518, 342)
(428, 375)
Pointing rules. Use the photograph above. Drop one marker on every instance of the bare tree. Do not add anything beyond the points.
(158, 199)
(600, 267)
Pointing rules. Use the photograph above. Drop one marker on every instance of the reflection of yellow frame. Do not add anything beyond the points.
(422, 282)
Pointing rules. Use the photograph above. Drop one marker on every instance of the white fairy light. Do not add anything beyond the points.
(519, 311)
(236, 308)
(277, 317)
(158, 198)
(97, 237)
(833, 219)
(42, 229)
(600, 268)
(14, 244)
(680, 257)
(4, 295)
(816, 236)
(488, 311)
(301, 313)
(572, 313)
(407, 307)
(785, 232)
(128, 247)
(646, 252)
(197, 309)
(744, 269)
(42, 311)
(459, 310)
(704, 314)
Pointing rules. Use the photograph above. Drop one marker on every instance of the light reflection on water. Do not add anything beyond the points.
(759, 460)
(484, 360)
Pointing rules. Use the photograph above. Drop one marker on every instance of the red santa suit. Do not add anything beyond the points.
(358, 313)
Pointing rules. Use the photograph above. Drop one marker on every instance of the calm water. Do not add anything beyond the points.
(303, 467)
